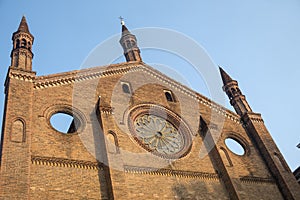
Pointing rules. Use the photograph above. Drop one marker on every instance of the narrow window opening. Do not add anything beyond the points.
(126, 88)
(113, 142)
(169, 96)
(18, 43)
(233, 91)
(128, 44)
(133, 44)
(23, 43)
(29, 45)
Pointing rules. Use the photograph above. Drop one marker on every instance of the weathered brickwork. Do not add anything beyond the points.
(103, 155)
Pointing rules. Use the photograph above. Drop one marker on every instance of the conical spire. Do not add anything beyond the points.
(225, 77)
(129, 44)
(237, 99)
(23, 27)
(124, 28)
(21, 54)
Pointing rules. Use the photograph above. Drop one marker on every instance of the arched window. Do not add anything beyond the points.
(128, 44)
(113, 143)
(18, 43)
(233, 91)
(229, 95)
(29, 45)
(279, 160)
(18, 131)
(225, 157)
(23, 43)
(133, 43)
(169, 96)
(126, 88)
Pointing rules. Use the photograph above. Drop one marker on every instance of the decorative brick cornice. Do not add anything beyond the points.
(170, 172)
(21, 74)
(107, 110)
(63, 162)
(22, 51)
(81, 75)
(254, 179)
(252, 118)
(22, 35)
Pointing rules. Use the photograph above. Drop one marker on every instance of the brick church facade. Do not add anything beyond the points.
(135, 134)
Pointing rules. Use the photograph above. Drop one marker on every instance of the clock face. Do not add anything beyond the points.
(158, 135)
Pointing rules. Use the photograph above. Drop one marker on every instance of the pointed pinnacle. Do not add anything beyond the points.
(23, 25)
(124, 28)
(225, 77)
(125, 31)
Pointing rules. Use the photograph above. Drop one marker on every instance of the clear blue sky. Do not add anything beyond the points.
(257, 42)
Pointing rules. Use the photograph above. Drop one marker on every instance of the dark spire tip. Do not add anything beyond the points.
(225, 77)
(23, 25)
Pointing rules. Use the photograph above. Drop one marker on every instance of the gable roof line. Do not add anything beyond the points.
(102, 71)
(63, 78)
(193, 94)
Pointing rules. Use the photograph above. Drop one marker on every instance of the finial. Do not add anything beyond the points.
(122, 20)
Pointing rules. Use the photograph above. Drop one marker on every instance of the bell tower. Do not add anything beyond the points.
(17, 120)
(237, 99)
(255, 128)
(129, 44)
(21, 54)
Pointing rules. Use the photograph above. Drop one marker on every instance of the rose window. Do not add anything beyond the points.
(158, 134)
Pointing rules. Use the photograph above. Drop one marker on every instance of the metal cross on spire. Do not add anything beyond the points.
(122, 20)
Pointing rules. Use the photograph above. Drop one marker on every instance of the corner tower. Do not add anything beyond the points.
(17, 118)
(261, 138)
(21, 54)
(237, 99)
(129, 44)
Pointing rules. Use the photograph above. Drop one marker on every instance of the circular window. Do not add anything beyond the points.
(64, 123)
(65, 119)
(160, 131)
(158, 134)
(235, 146)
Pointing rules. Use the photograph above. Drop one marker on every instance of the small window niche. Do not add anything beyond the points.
(169, 96)
(126, 87)
(17, 133)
